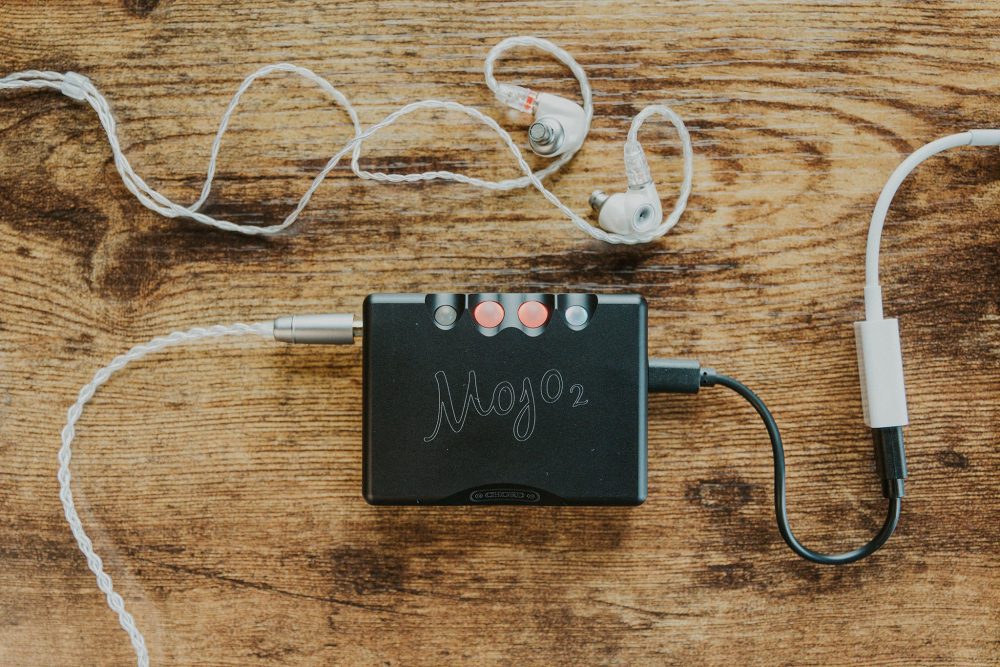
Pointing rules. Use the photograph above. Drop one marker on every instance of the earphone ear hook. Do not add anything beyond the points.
(638, 212)
(560, 125)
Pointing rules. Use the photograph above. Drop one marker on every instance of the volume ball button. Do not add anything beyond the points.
(533, 314)
(577, 316)
(445, 315)
(488, 314)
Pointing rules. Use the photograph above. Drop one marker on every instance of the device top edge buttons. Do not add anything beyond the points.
(488, 314)
(533, 314)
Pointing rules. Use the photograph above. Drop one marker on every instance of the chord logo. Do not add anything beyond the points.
(504, 496)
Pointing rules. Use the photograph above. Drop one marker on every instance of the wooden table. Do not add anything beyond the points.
(221, 482)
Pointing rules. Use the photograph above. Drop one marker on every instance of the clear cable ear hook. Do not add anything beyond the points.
(638, 211)
(560, 125)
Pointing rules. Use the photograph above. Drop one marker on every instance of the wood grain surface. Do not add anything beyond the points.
(221, 482)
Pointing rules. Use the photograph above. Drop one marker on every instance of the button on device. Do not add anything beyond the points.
(577, 316)
(445, 315)
(488, 314)
(533, 314)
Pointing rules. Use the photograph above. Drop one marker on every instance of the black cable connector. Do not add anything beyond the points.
(674, 376)
(890, 460)
(687, 377)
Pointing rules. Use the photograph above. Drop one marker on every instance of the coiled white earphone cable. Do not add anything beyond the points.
(80, 88)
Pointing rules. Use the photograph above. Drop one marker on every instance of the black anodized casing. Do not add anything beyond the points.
(461, 414)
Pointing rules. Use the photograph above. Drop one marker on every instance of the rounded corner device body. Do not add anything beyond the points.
(513, 399)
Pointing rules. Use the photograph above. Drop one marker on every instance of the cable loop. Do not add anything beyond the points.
(780, 501)
(566, 59)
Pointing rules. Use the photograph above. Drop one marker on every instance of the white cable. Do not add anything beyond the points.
(877, 340)
(497, 51)
(79, 87)
(309, 75)
(94, 562)
(873, 291)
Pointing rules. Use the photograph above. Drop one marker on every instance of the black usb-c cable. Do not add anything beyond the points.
(688, 377)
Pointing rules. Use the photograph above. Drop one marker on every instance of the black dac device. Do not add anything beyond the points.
(533, 399)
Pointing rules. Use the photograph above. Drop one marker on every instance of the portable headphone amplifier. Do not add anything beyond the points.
(531, 399)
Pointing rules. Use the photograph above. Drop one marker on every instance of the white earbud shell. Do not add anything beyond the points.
(570, 116)
(635, 211)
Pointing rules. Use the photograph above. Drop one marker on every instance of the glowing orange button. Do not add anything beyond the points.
(488, 314)
(533, 314)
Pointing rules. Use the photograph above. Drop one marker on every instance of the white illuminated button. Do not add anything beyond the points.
(445, 315)
(577, 315)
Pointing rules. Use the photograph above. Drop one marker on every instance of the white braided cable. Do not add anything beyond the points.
(308, 74)
(94, 562)
(79, 87)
